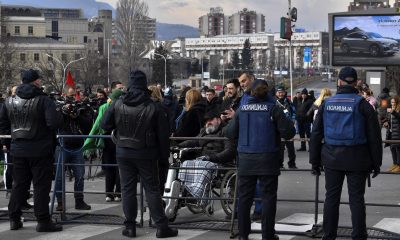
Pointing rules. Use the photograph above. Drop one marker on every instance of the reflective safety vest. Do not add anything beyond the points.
(23, 115)
(257, 132)
(343, 122)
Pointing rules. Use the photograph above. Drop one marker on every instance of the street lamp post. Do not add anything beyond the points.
(108, 61)
(165, 69)
(64, 66)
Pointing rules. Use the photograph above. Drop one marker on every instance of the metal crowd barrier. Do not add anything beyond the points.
(316, 230)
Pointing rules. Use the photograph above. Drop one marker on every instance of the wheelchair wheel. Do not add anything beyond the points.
(227, 190)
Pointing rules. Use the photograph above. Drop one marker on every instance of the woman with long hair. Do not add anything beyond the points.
(393, 132)
(312, 112)
(191, 121)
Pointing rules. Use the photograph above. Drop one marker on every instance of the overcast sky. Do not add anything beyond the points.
(312, 14)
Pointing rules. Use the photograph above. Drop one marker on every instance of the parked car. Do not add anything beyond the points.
(369, 42)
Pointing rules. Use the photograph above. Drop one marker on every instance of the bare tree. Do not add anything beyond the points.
(93, 70)
(10, 66)
(131, 23)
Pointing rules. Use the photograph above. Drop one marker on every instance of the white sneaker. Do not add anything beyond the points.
(108, 199)
(117, 199)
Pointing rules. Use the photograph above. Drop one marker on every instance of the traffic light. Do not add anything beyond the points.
(293, 14)
(286, 28)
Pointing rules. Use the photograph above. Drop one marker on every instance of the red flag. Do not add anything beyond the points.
(70, 80)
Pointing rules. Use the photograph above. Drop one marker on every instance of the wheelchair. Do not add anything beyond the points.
(176, 196)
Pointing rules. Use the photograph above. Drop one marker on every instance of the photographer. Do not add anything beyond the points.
(77, 120)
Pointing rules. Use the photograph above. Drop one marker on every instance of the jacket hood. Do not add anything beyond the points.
(347, 89)
(383, 95)
(28, 91)
(267, 98)
(135, 97)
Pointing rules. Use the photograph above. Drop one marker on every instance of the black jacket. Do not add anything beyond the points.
(43, 144)
(219, 151)
(394, 125)
(192, 121)
(302, 108)
(159, 123)
(171, 106)
(348, 158)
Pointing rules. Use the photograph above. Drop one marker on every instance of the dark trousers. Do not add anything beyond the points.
(113, 184)
(269, 188)
(356, 188)
(395, 149)
(147, 169)
(304, 130)
(291, 153)
(38, 170)
(8, 171)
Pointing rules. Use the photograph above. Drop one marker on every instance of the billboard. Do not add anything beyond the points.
(366, 40)
(307, 55)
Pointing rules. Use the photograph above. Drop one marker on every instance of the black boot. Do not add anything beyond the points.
(48, 226)
(166, 232)
(81, 205)
(16, 224)
(129, 231)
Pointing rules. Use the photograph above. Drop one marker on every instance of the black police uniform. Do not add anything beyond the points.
(33, 120)
(352, 148)
(258, 127)
(141, 134)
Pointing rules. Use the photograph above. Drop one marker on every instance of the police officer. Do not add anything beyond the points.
(352, 147)
(283, 102)
(259, 125)
(33, 120)
(141, 133)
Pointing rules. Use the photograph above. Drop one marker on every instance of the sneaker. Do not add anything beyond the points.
(81, 205)
(49, 226)
(396, 169)
(26, 206)
(166, 232)
(109, 199)
(117, 199)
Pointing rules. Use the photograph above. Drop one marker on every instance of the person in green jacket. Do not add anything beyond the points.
(113, 186)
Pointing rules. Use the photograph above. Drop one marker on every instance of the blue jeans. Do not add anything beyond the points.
(71, 157)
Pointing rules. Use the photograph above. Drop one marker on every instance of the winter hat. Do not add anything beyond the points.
(304, 91)
(29, 76)
(116, 94)
(137, 80)
(280, 89)
(212, 112)
(348, 74)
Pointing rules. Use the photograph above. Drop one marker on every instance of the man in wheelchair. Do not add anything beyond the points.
(211, 154)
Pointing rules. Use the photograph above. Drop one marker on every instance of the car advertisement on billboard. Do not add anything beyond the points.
(366, 40)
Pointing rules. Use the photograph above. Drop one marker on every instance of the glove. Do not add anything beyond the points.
(375, 172)
(316, 170)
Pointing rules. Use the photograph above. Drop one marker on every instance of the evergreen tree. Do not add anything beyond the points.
(247, 59)
(158, 64)
(235, 60)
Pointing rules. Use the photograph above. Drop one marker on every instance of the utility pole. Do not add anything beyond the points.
(290, 52)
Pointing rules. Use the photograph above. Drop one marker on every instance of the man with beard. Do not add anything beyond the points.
(231, 103)
(212, 152)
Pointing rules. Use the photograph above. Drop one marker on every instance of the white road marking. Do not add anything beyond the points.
(389, 224)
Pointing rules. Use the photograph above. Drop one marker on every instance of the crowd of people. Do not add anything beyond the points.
(258, 121)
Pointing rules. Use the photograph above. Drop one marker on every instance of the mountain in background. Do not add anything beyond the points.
(166, 31)
(90, 8)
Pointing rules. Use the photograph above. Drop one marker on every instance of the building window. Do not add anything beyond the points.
(36, 57)
(22, 57)
(50, 57)
(85, 40)
(64, 57)
(17, 30)
(30, 30)
(77, 56)
(54, 26)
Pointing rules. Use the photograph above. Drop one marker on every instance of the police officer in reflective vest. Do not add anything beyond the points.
(258, 127)
(140, 130)
(33, 120)
(346, 140)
